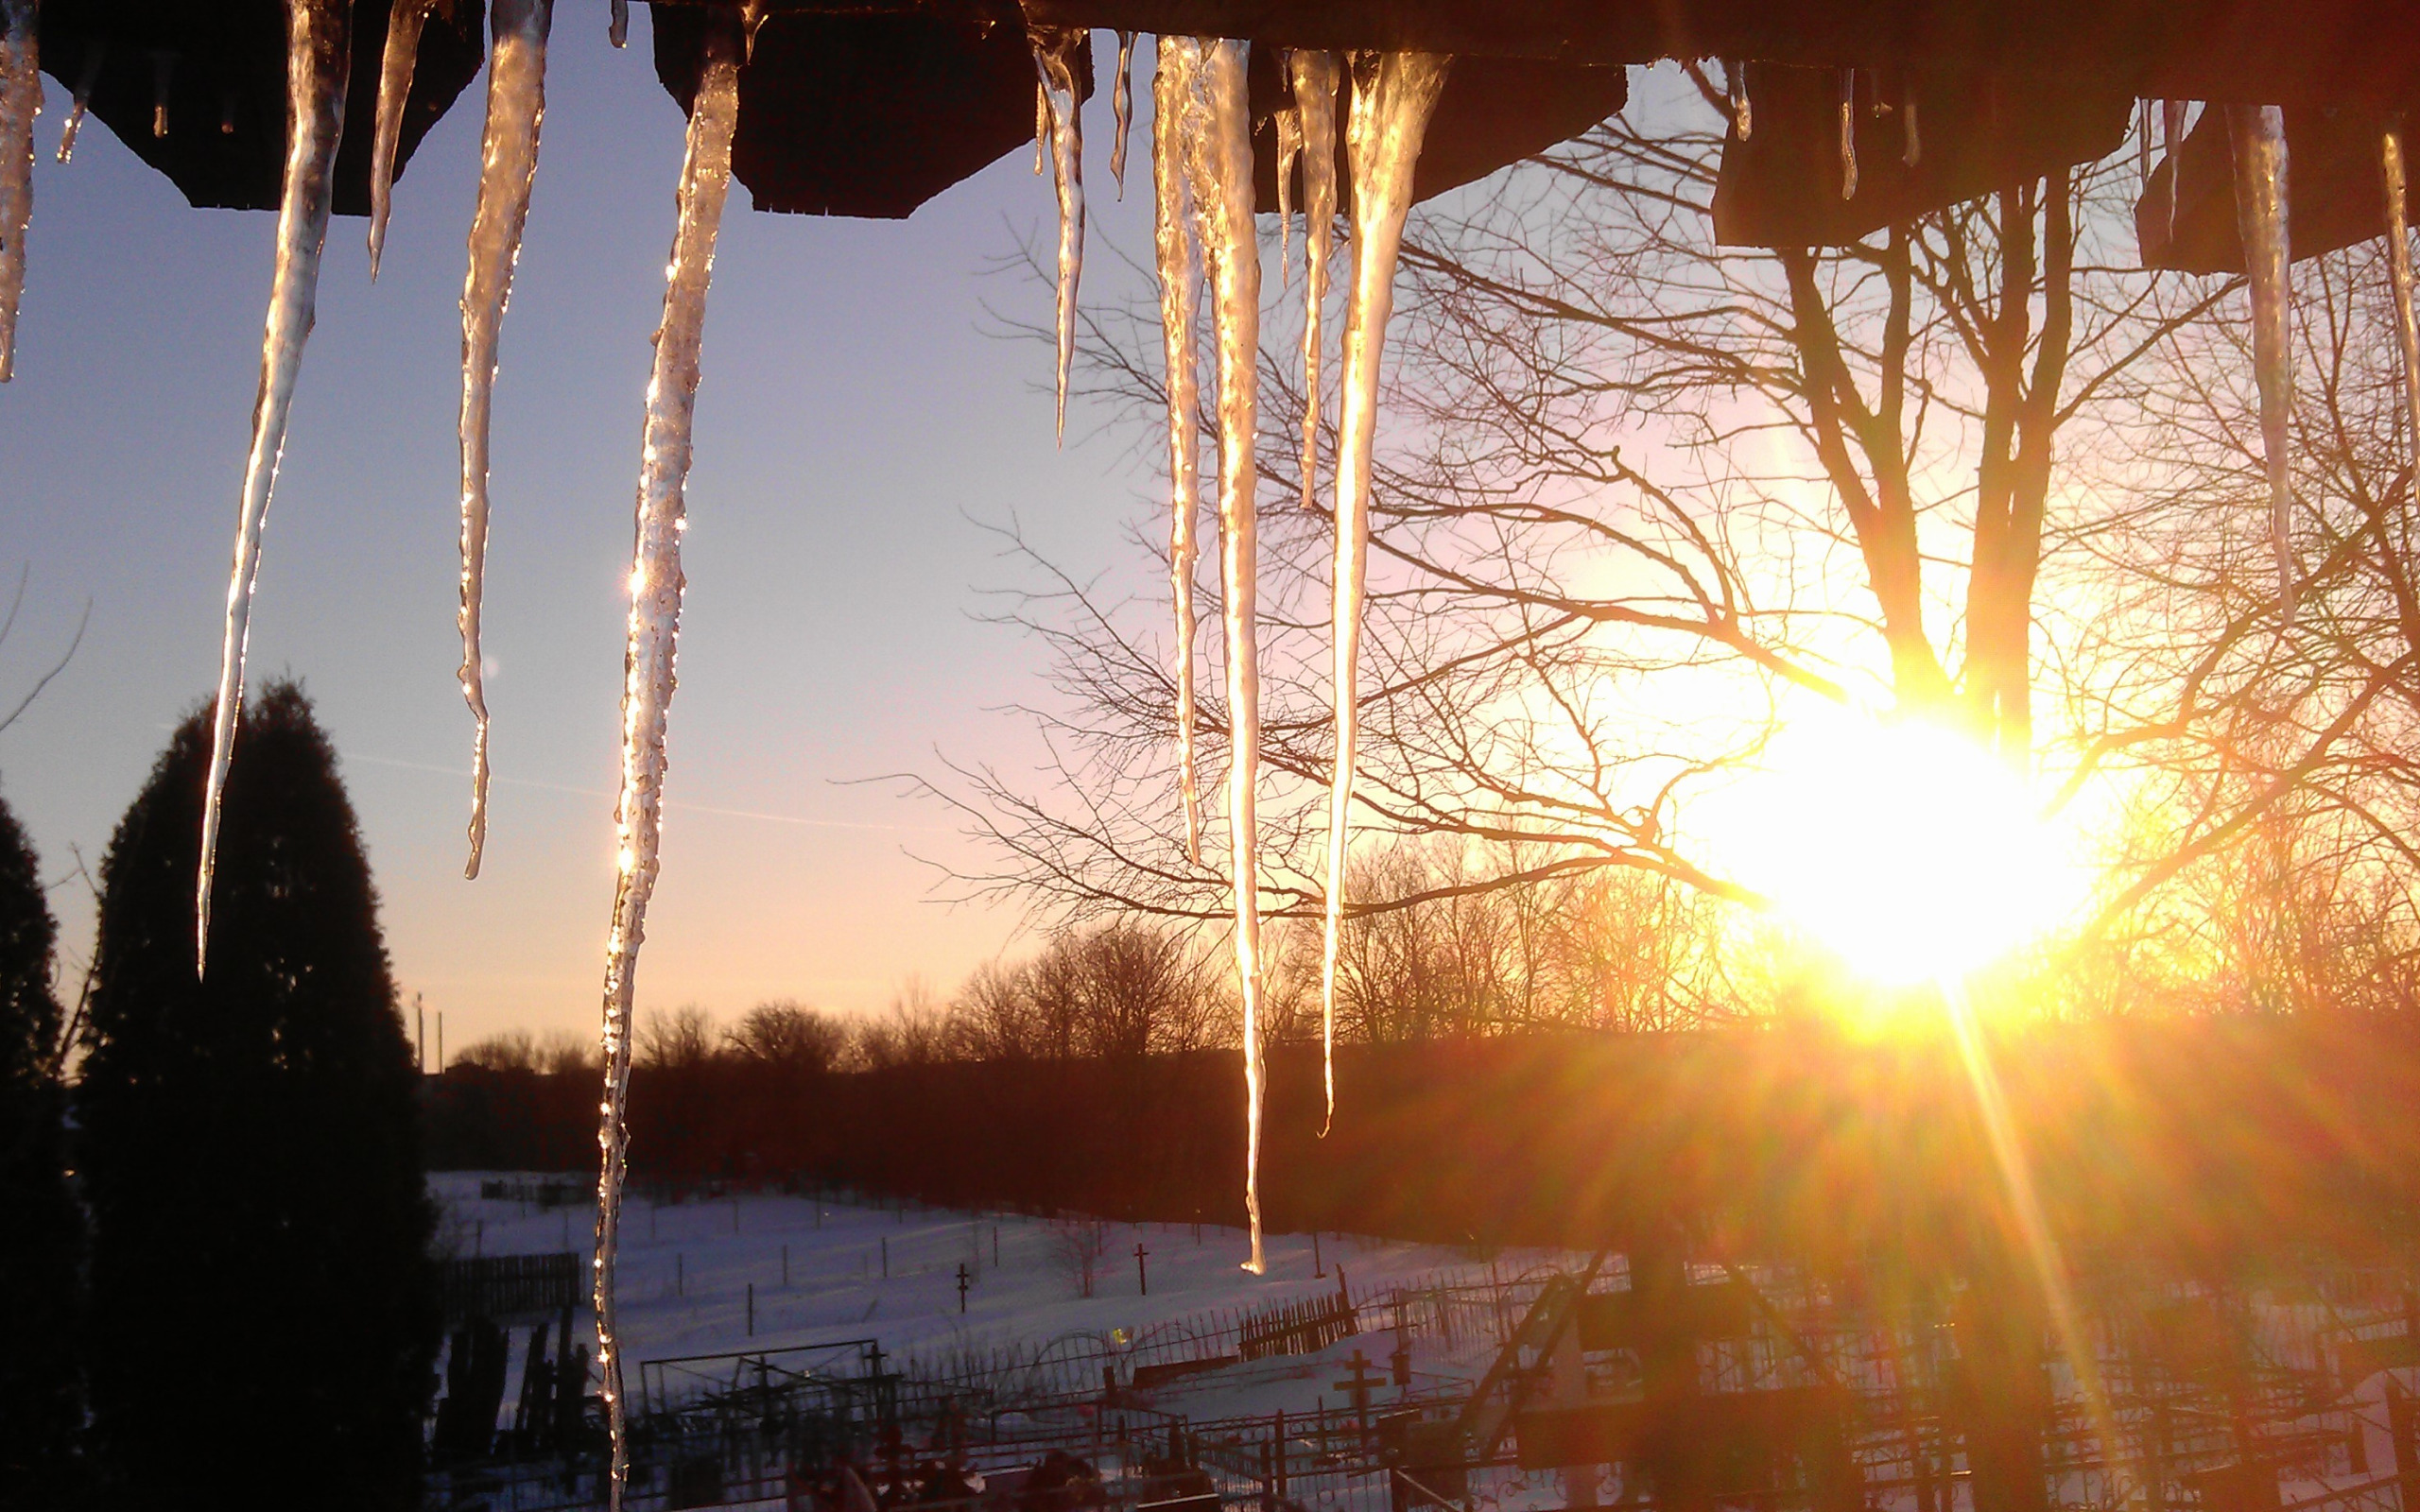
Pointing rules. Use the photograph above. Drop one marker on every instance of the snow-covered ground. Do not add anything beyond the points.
(686, 1268)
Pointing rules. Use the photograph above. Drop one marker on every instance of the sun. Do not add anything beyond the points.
(1901, 844)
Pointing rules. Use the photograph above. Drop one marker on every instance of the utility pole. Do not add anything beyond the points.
(751, 1310)
(1141, 1274)
(1318, 1266)
(886, 1257)
(441, 1041)
(419, 1033)
(962, 1288)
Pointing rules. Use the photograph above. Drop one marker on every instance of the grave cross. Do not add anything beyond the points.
(962, 1286)
(1363, 1378)
(1141, 1274)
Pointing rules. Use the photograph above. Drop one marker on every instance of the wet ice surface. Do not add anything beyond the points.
(318, 41)
(507, 165)
(20, 102)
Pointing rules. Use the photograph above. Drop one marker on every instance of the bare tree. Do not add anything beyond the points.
(680, 1040)
(914, 1031)
(787, 1036)
(1639, 497)
(1078, 1244)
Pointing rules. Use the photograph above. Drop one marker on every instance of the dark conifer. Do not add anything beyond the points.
(263, 1314)
(41, 1232)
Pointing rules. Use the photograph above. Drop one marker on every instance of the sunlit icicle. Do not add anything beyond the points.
(95, 52)
(508, 164)
(1231, 248)
(2398, 260)
(1289, 152)
(2172, 140)
(1315, 76)
(163, 72)
(1392, 96)
(404, 23)
(1735, 79)
(1121, 105)
(617, 29)
(1040, 128)
(319, 51)
(654, 626)
(2263, 195)
(1848, 134)
(1057, 51)
(20, 102)
(1911, 131)
(2142, 146)
(1172, 103)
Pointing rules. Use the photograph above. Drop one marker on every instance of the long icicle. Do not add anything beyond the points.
(1224, 193)
(319, 41)
(1388, 117)
(1172, 102)
(1289, 152)
(404, 23)
(2262, 194)
(1121, 105)
(2399, 262)
(1315, 76)
(95, 50)
(20, 102)
(508, 164)
(1056, 52)
(654, 626)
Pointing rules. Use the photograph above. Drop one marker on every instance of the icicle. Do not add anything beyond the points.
(509, 161)
(1914, 151)
(1289, 152)
(1230, 247)
(1392, 96)
(1735, 79)
(1057, 50)
(1848, 134)
(94, 51)
(2399, 262)
(20, 102)
(1315, 78)
(1121, 104)
(654, 626)
(318, 47)
(1040, 128)
(404, 23)
(1172, 104)
(163, 68)
(2171, 135)
(617, 29)
(2142, 146)
(2257, 134)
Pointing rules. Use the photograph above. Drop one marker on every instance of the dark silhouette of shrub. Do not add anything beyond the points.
(264, 1305)
(41, 1232)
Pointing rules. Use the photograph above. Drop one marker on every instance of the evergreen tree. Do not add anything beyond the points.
(264, 1311)
(42, 1230)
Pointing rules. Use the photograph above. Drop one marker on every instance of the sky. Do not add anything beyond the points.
(863, 432)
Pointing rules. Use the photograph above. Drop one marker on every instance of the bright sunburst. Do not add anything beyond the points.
(1900, 843)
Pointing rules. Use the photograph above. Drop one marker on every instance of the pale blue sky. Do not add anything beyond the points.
(856, 429)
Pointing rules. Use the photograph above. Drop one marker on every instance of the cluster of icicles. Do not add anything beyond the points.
(1201, 161)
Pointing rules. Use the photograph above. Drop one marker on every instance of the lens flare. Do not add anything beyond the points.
(1900, 843)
